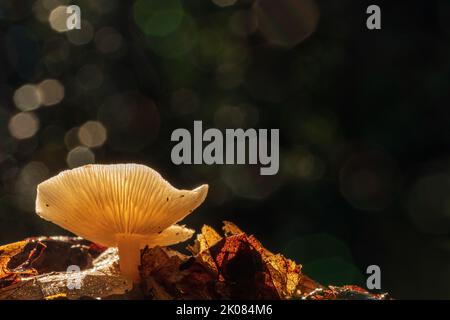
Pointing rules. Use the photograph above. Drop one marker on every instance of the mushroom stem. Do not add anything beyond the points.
(129, 256)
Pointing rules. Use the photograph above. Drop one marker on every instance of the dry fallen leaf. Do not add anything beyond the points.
(11, 270)
(230, 229)
(168, 275)
(235, 266)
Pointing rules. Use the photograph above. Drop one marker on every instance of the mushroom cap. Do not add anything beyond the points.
(101, 202)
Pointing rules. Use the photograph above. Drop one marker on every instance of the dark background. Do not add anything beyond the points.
(363, 116)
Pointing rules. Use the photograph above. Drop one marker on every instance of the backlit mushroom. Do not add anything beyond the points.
(128, 206)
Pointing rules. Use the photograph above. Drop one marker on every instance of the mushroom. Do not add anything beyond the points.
(128, 206)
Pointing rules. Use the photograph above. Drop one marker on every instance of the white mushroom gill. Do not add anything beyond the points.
(127, 206)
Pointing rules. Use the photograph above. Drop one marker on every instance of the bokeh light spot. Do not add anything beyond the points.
(228, 116)
(428, 203)
(229, 75)
(325, 258)
(245, 181)
(52, 4)
(103, 6)
(71, 139)
(81, 36)
(224, 3)
(320, 129)
(108, 40)
(305, 165)
(184, 101)
(30, 176)
(368, 180)
(58, 19)
(92, 134)
(56, 50)
(51, 92)
(178, 43)
(80, 156)
(236, 116)
(23, 125)
(27, 98)
(286, 23)
(158, 18)
(243, 23)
